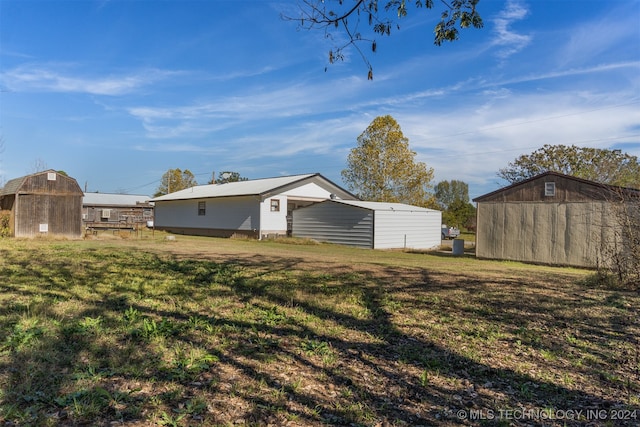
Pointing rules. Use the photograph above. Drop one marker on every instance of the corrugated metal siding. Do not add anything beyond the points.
(335, 223)
(407, 229)
(550, 233)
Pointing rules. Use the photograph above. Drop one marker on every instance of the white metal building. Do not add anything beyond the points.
(371, 225)
(256, 208)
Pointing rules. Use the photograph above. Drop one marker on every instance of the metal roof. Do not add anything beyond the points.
(244, 188)
(634, 192)
(13, 186)
(106, 199)
(383, 206)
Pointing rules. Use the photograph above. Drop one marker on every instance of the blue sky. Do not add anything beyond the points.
(116, 92)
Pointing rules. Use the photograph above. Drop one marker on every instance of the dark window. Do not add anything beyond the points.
(202, 208)
(275, 205)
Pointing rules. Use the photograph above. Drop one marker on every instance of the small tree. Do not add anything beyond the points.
(228, 176)
(459, 213)
(453, 198)
(175, 180)
(621, 250)
(382, 168)
(5, 218)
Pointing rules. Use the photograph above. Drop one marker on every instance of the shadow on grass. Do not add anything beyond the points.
(103, 336)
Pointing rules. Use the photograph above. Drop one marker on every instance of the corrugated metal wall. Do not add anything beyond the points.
(550, 233)
(335, 223)
(407, 229)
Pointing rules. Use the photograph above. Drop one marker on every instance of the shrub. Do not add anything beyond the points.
(4, 224)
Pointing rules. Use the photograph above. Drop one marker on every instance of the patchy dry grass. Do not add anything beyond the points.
(220, 332)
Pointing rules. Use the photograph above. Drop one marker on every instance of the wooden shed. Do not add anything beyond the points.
(116, 211)
(552, 219)
(44, 203)
(370, 225)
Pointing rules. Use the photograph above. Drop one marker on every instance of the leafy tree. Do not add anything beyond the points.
(460, 214)
(228, 176)
(453, 199)
(381, 17)
(600, 165)
(447, 192)
(175, 180)
(381, 167)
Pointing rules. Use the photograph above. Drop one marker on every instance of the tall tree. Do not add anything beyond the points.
(228, 176)
(447, 192)
(175, 180)
(382, 167)
(611, 167)
(361, 20)
(453, 198)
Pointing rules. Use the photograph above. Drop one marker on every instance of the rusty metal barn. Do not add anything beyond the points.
(46, 203)
(553, 219)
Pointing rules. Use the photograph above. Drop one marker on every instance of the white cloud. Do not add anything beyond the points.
(610, 32)
(509, 41)
(477, 140)
(29, 78)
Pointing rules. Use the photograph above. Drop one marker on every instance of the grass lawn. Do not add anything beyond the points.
(203, 331)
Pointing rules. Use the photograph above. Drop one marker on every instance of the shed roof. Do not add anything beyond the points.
(382, 206)
(612, 189)
(107, 199)
(254, 187)
(13, 186)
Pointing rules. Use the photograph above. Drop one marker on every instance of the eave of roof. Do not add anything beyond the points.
(110, 199)
(257, 187)
(560, 175)
(383, 206)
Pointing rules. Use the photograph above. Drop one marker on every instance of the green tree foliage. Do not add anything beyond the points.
(5, 218)
(453, 198)
(379, 18)
(228, 176)
(175, 180)
(447, 192)
(381, 167)
(611, 167)
(460, 214)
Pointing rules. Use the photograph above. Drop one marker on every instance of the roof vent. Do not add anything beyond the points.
(332, 196)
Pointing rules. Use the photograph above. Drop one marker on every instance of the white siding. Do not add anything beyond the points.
(369, 224)
(273, 222)
(407, 229)
(310, 190)
(335, 223)
(237, 213)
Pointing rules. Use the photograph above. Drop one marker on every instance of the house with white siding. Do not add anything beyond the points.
(370, 225)
(256, 208)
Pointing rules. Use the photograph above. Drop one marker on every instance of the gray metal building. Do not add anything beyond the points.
(371, 225)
